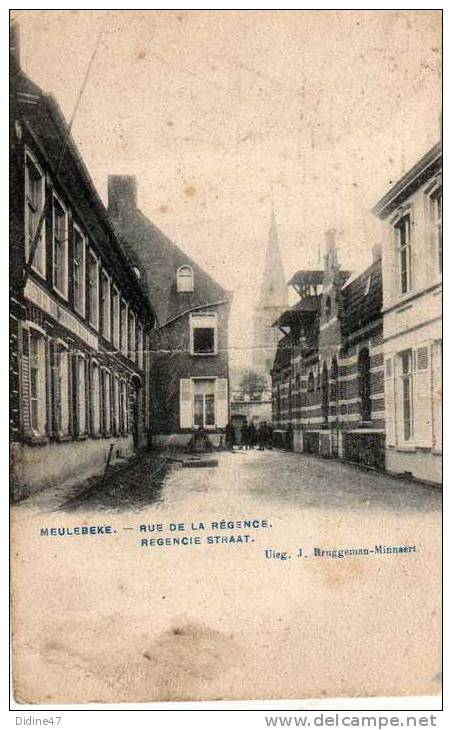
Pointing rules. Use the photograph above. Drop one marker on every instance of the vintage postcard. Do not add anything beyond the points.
(225, 354)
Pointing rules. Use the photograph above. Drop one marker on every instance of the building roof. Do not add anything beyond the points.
(42, 116)
(362, 299)
(307, 277)
(412, 180)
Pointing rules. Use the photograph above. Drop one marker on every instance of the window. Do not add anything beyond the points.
(123, 407)
(325, 393)
(95, 400)
(78, 266)
(403, 234)
(105, 304)
(34, 205)
(80, 378)
(61, 388)
(116, 407)
(185, 279)
(93, 290)
(132, 337)
(37, 384)
(140, 346)
(436, 213)
(406, 359)
(60, 247)
(311, 384)
(203, 334)
(124, 328)
(364, 383)
(116, 321)
(106, 413)
(204, 403)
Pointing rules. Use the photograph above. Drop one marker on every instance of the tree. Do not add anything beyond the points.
(252, 384)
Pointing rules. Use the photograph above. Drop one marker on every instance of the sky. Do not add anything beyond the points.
(221, 114)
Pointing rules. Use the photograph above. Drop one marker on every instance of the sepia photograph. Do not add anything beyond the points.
(225, 355)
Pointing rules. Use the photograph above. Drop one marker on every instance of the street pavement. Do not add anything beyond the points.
(139, 615)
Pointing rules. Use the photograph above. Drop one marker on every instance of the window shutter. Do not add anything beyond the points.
(423, 432)
(437, 395)
(25, 381)
(186, 403)
(389, 402)
(56, 388)
(221, 398)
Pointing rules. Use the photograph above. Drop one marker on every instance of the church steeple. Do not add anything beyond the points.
(273, 292)
(273, 300)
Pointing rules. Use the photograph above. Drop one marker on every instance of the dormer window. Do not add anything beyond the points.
(185, 279)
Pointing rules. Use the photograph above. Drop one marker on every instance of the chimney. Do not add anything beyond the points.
(14, 47)
(376, 252)
(122, 195)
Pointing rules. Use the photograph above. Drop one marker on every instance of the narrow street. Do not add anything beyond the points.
(244, 622)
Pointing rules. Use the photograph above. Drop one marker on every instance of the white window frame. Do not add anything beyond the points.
(211, 322)
(39, 429)
(104, 277)
(207, 426)
(62, 292)
(62, 368)
(93, 323)
(116, 309)
(185, 283)
(41, 247)
(406, 381)
(82, 428)
(116, 405)
(105, 385)
(437, 225)
(81, 268)
(405, 216)
(95, 409)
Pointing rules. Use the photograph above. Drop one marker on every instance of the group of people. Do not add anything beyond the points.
(250, 436)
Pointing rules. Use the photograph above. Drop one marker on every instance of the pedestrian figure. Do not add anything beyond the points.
(262, 435)
(289, 437)
(244, 435)
(252, 435)
(230, 435)
(269, 436)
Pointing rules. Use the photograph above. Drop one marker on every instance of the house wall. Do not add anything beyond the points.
(413, 323)
(64, 441)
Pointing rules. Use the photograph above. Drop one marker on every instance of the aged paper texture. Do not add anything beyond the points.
(226, 354)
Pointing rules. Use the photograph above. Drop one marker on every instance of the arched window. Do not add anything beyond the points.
(364, 383)
(310, 382)
(325, 393)
(185, 279)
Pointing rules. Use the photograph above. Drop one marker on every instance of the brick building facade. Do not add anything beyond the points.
(189, 345)
(327, 379)
(79, 319)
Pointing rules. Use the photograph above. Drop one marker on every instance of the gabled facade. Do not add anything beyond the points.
(189, 345)
(411, 213)
(79, 320)
(328, 371)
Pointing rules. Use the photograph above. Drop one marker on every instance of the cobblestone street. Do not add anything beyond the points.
(105, 601)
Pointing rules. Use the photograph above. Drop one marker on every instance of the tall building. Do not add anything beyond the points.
(79, 318)
(273, 300)
(412, 319)
(189, 345)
